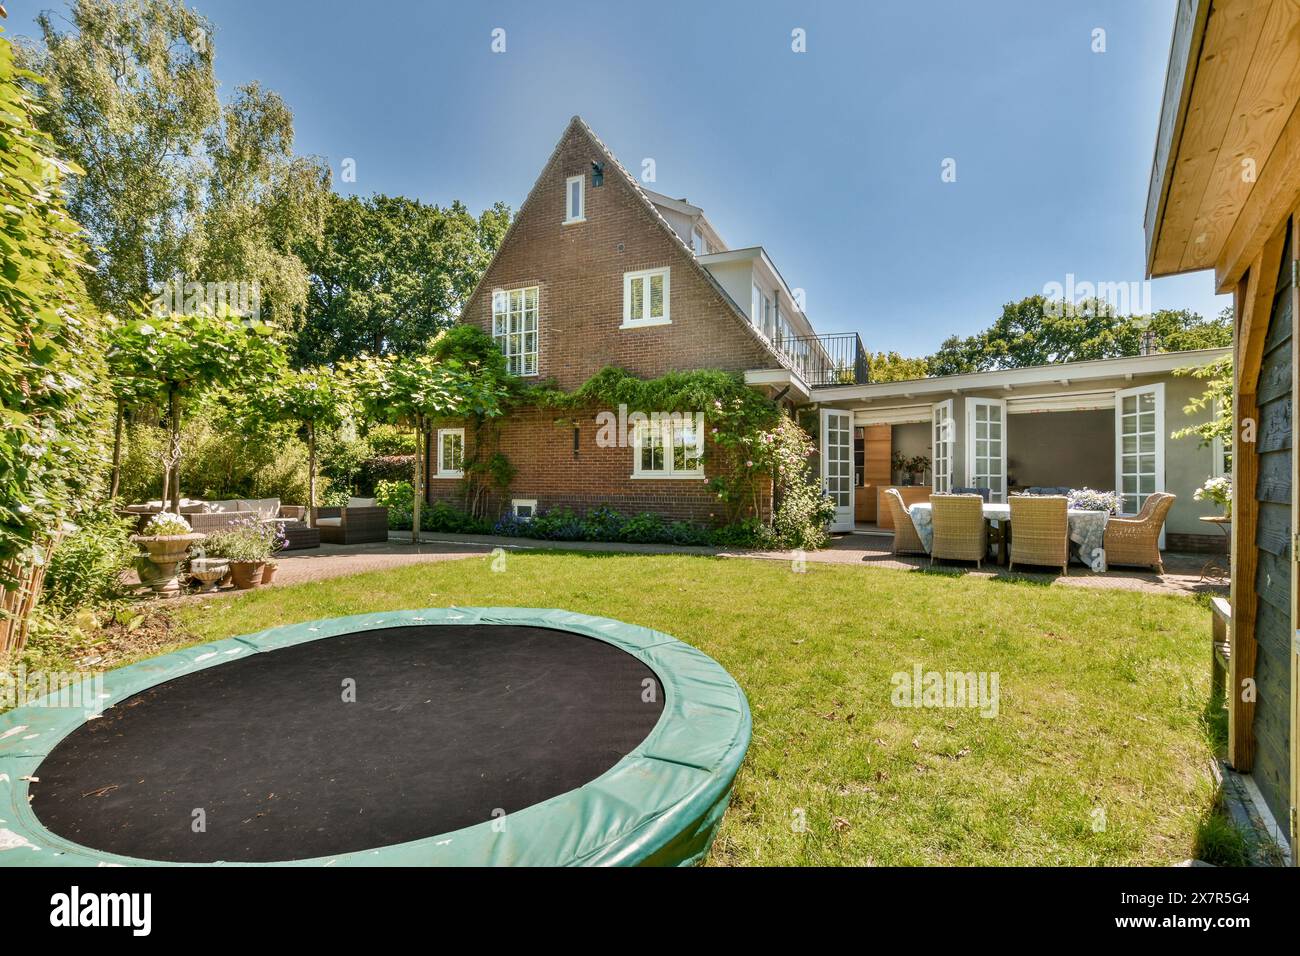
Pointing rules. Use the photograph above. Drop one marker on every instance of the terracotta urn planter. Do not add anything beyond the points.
(268, 573)
(247, 574)
(164, 552)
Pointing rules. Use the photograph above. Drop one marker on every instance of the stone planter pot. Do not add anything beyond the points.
(209, 572)
(268, 573)
(164, 552)
(247, 574)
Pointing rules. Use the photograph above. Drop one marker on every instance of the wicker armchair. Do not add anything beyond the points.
(352, 525)
(1136, 541)
(906, 540)
(960, 532)
(1040, 531)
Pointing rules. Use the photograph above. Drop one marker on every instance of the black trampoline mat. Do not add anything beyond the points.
(450, 723)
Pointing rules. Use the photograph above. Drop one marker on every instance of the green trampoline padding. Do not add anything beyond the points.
(660, 804)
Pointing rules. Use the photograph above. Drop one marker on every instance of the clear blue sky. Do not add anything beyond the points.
(831, 159)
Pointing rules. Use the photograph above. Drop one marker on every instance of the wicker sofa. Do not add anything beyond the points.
(210, 516)
(359, 522)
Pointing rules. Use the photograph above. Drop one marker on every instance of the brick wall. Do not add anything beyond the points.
(550, 471)
(579, 269)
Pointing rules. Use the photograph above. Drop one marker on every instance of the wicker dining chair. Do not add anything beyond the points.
(960, 532)
(1136, 540)
(1040, 531)
(906, 540)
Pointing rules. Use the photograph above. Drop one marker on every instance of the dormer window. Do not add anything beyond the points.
(573, 199)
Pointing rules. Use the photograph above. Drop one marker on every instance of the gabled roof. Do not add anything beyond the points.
(612, 164)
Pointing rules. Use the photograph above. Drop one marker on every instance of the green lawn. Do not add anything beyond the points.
(1100, 752)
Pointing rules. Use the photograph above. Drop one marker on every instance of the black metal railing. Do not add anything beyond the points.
(826, 360)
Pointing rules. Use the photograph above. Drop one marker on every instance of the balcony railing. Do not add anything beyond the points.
(825, 360)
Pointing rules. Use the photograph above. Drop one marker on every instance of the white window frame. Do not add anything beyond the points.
(842, 487)
(942, 448)
(505, 334)
(443, 470)
(515, 504)
(645, 275)
(569, 218)
(972, 479)
(666, 428)
(1158, 391)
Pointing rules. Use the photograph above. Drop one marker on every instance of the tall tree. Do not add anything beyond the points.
(893, 367)
(175, 188)
(389, 272)
(51, 357)
(1035, 331)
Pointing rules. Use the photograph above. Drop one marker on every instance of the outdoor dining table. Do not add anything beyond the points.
(1087, 531)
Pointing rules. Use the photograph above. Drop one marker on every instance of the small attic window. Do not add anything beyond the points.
(573, 199)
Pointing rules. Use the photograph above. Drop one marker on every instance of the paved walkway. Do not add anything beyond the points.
(860, 548)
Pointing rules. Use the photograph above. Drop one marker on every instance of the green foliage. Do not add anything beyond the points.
(246, 540)
(415, 387)
(51, 351)
(175, 184)
(387, 273)
(186, 353)
(342, 455)
(893, 367)
(1216, 399)
(220, 461)
(1035, 331)
(383, 468)
(86, 567)
(385, 439)
(319, 398)
(399, 498)
(755, 447)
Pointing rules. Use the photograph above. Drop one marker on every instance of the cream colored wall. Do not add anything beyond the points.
(1187, 462)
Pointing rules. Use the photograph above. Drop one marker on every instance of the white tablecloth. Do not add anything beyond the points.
(1087, 529)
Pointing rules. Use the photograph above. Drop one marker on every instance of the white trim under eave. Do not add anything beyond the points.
(779, 378)
(1077, 372)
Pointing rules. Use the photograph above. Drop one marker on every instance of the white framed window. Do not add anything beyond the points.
(574, 200)
(514, 326)
(986, 446)
(451, 453)
(525, 509)
(645, 298)
(668, 448)
(1139, 445)
(699, 243)
(943, 441)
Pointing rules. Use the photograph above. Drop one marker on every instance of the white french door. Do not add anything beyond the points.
(1139, 445)
(837, 464)
(986, 446)
(943, 440)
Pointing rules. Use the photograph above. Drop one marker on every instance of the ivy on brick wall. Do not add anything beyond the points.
(758, 449)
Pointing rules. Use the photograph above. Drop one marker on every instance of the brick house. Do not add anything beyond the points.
(598, 271)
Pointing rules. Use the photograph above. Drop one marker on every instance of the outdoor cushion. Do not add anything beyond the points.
(329, 522)
(221, 507)
(264, 507)
(361, 502)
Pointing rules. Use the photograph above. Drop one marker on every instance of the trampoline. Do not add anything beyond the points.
(452, 736)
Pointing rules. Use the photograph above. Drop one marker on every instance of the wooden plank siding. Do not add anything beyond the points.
(1273, 584)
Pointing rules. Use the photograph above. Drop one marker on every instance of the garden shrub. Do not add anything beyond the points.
(341, 457)
(86, 567)
(399, 498)
(387, 440)
(384, 468)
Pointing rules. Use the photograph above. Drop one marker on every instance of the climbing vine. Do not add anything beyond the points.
(760, 454)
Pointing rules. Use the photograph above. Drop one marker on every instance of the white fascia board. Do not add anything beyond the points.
(1157, 364)
(779, 378)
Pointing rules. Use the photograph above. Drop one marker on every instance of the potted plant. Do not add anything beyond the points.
(917, 467)
(166, 540)
(247, 545)
(900, 463)
(1217, 490)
